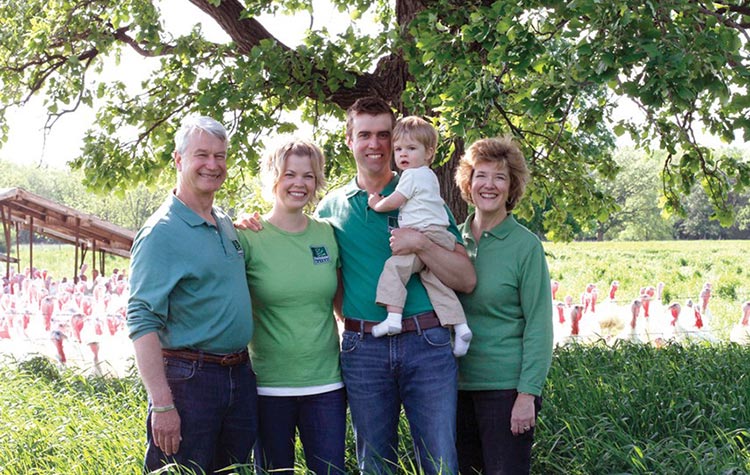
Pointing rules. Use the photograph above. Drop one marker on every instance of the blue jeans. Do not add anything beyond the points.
(484, 441)
(218, 407)
(416, 369)
(321, 419)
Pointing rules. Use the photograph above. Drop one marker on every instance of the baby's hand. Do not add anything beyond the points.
(373, 200)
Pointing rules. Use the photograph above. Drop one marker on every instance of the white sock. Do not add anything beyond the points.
(390, 326)
(463, 339)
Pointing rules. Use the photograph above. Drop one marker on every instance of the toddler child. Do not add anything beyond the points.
(417, 196)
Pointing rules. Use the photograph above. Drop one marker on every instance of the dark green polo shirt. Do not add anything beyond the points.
(363, 237)
(509, 311)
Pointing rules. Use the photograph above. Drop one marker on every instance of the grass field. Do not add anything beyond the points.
(683, 266)
(629, 408)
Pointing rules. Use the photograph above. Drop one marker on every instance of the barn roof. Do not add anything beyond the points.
(64, 223)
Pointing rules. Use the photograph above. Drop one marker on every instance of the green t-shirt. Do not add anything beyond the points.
(509, 311)
(363, 236)
(293, 279)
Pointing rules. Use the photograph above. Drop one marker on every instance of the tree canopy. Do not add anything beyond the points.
(550, 73)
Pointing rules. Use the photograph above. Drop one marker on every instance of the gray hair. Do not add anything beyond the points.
(192, 123)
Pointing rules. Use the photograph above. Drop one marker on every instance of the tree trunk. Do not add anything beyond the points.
(451, 193)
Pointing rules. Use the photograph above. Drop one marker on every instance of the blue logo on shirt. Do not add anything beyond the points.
(320, 254)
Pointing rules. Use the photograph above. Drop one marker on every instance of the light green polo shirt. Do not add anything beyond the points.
(509, 311)
(187, 282)
(363, 237)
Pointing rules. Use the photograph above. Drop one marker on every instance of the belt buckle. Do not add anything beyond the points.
(231, 359)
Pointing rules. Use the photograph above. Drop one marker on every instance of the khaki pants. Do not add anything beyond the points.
(398, 270)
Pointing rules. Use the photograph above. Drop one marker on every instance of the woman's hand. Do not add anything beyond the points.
(523, 414)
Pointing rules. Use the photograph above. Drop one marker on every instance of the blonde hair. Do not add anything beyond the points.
(273, 164)
(501, 150)
(418, 129)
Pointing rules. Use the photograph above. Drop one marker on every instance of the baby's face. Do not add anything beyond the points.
(410, 153)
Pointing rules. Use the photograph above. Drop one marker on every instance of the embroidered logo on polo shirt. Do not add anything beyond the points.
(320, 254)
(392, 223)
(238, 247)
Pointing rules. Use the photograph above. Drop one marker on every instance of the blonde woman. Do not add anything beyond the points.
(291, 266)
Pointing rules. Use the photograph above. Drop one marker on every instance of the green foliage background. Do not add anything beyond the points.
(550, 73)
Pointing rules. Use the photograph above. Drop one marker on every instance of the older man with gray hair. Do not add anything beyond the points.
(190, 318)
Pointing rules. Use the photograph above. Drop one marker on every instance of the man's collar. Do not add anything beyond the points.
(352, 188)
(184, 212)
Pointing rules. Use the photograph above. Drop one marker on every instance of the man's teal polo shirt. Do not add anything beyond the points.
(188, 282)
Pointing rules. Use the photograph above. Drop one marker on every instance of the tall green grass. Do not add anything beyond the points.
(630, 409)
(54, 422)
(640, 410)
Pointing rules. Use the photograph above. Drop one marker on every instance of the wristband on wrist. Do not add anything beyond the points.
(160, 409)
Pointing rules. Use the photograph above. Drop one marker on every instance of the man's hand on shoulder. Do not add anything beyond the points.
(248, 221)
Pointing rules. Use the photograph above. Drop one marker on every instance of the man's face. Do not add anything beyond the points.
(203, 166)
(370, 142)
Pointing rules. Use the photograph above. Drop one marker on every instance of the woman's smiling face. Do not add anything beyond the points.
(490, 185)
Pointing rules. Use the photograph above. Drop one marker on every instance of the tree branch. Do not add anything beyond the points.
(245, 32)
(121, 35)
(720, 12)
(45, 73)
(387, 81)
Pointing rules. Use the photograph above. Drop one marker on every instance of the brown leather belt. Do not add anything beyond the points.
(231, 359)
(409, 324)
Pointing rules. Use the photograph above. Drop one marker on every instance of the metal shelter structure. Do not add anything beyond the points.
(22, 209)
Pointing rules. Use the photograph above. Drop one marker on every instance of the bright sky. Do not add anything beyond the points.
(27, 143)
